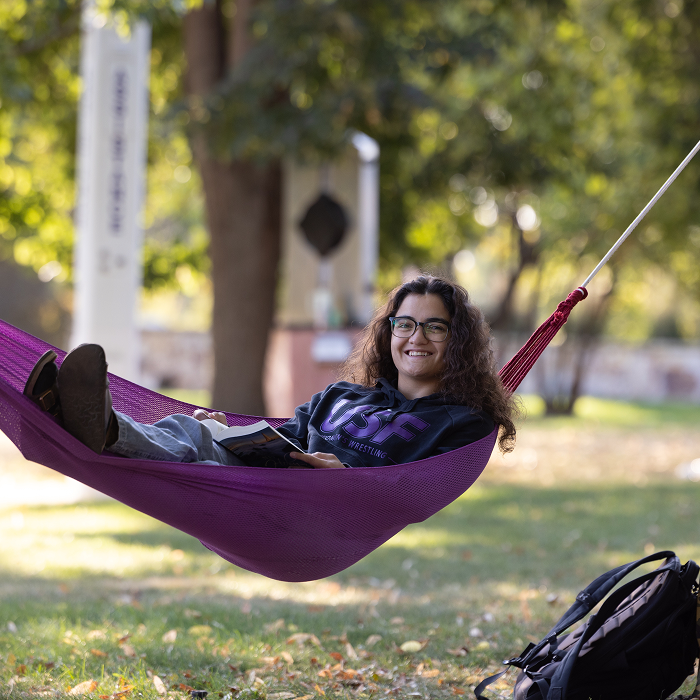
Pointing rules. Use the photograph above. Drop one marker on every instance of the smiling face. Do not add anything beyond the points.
(419, 361)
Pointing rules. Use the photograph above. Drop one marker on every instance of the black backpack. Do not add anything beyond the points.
(641, 644)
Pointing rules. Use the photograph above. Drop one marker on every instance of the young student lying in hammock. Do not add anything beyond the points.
(426, 384)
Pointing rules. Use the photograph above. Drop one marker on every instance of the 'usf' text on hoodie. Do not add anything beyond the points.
(373, 427)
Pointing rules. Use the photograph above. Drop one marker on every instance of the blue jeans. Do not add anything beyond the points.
(176, 438)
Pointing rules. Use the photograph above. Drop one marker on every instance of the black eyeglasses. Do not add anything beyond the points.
(405, 327)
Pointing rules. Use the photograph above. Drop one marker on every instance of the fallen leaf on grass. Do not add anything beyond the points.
(349, 674)
(319, 689)
(11, 658)
(413, 646)
(373, 639)
(284, 695)
(304, 697)
(274, 627)
(128, 650)
(287, 657)
(461, 651)
(335, 655)
(396, 621)
(83, 688)
(192, 614)
(186, 688)
(97, 652)
(95, 634)
(199, 630)
(482, 646)
(302, 637)
(170, 636)
(432, 673)
(159, 686)
(457, 691)
(350, 651)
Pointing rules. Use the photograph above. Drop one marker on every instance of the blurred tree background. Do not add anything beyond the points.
(518, 140)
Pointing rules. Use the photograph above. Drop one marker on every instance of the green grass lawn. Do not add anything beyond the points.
(101, 600)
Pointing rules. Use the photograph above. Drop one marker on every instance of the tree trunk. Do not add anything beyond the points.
(243, 207)
(581, 348)
(527, 255)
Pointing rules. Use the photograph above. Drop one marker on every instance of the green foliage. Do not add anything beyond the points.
(38, 88)
(577, 110)
(39, 91)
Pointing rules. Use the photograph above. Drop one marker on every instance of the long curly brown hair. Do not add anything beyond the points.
(470, 377)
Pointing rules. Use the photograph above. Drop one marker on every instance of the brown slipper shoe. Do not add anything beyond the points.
(41, 386)
(85, 399)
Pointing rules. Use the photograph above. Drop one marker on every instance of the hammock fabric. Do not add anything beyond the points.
(290, 525)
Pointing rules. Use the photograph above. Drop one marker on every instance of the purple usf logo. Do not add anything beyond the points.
(355, 423)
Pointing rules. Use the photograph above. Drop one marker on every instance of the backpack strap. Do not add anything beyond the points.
(696, 692)
(560, 679)
(486, 683)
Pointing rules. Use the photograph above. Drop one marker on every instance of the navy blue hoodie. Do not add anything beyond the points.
(373, 427)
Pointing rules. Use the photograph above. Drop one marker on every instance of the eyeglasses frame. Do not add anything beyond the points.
(421, 325)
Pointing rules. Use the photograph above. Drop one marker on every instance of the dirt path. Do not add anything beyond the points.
(27, 483)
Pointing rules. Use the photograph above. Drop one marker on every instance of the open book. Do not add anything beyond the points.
(257, 445)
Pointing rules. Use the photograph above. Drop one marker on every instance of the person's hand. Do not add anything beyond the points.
(201, 414)
(319, 460)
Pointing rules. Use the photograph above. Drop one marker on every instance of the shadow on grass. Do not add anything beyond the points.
(517, 534)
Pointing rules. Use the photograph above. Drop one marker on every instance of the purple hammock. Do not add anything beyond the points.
(290, 525)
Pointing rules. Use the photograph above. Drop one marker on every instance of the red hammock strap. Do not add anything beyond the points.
(514, 371)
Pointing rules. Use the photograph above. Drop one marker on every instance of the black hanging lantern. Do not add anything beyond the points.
(324, 224)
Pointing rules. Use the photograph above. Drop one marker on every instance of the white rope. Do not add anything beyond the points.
(643, 213)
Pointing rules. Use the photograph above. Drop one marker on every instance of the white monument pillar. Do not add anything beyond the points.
(112, 137)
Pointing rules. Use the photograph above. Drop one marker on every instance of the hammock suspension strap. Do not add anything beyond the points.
(514, 371)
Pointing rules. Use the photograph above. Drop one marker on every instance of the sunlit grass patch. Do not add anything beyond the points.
(597, 412)
(196, 397)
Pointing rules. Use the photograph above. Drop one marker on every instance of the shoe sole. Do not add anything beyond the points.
(82, 383)
(48, 399)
